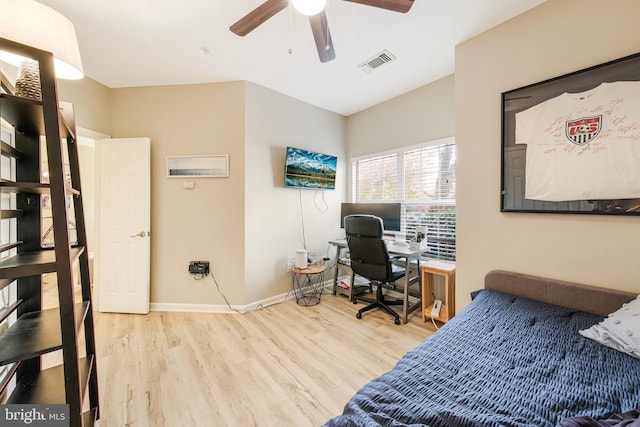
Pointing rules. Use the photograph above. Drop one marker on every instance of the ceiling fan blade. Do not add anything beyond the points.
(322, 36)
(257, 16)
(401, 6)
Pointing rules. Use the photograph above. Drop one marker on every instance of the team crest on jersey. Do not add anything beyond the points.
(581, 131)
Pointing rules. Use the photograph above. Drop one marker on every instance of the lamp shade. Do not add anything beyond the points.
(309, 7)
(36, 25)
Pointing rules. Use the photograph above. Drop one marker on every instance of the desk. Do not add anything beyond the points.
(411, 259)
(308, 284)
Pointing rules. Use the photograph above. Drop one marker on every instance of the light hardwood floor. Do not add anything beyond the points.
(284, 365)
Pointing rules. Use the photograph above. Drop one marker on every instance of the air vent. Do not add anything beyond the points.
(377, 61)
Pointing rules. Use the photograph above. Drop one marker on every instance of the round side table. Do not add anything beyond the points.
(308, 284)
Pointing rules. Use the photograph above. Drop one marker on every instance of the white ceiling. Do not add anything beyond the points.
(128, 43)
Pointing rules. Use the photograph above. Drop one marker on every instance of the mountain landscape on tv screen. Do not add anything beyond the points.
(307, 169)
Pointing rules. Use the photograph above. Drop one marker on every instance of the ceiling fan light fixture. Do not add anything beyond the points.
(309, 7)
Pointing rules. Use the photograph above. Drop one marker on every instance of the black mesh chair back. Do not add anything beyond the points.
(367, 249)
(370, 257)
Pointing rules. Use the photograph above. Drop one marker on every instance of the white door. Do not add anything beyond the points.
(122, 262)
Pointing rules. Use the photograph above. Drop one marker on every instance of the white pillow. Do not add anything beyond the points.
(621, 330)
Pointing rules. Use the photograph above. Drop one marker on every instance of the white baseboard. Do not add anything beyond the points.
(223, 308)
(219, 308)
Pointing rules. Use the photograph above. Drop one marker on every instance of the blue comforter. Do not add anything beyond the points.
(502, 361)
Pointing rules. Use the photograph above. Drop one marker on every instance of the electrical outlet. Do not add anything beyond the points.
(199, 268)
(435, 310)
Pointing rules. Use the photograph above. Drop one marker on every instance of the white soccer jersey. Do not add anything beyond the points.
(583, 146)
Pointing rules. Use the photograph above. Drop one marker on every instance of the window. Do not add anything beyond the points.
(8, 232)
(423, 179)
(8, 227)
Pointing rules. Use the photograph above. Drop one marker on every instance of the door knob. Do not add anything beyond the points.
(140, 234)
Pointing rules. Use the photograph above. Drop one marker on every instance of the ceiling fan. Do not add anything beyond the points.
(318, 20)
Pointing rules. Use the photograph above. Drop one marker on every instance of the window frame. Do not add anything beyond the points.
(441, 248)
(8, 235)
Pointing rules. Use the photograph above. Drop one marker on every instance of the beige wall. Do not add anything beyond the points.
(92, 107)
(91, 101)
(246, 225)
(86, 158)
(223, 220)
(422, 115)
(274, 215)
(558, 37)
(206, 223)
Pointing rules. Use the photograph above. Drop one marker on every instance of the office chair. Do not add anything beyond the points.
(370, 259)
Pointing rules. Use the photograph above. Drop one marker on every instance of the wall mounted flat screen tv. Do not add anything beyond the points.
(310, 170)
(390, 213)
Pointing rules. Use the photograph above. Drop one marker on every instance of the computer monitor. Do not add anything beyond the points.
(388, 212)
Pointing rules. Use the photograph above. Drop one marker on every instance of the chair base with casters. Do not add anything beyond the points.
(379, 302)
(370, 259)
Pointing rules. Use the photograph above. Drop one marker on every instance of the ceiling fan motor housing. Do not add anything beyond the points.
(317, 19)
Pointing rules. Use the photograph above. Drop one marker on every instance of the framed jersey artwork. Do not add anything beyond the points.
(571, 144)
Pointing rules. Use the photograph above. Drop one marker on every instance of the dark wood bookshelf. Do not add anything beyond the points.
(27, 115)
(10, 151)
(24, 187)
(5, 282)
(10, 213)
(32, 188)
(31, 263)
(44, 387)
(10, 246)
(29, 331)
(35, 333)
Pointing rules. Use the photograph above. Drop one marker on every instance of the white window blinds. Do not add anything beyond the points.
(377, 179)
(423, 179)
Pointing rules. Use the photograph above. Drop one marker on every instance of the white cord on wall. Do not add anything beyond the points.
(215, 282)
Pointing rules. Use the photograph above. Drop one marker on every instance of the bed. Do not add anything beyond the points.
(513, 357)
